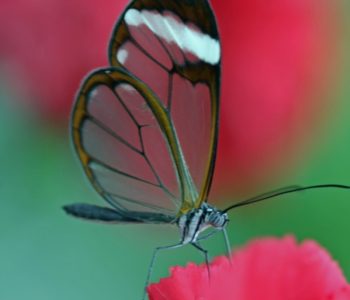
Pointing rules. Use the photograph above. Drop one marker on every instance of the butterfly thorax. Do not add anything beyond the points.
(199, 219)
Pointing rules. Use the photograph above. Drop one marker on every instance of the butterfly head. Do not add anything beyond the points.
(215, 217)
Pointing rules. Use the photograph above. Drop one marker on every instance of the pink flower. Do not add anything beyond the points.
(50, 45)
(270, 268)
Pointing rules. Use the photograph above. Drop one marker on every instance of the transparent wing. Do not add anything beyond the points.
(118, 133)
(173, 47)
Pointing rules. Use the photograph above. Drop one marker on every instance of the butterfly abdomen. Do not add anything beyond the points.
(93, 212)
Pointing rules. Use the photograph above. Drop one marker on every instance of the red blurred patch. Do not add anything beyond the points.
(51, 45)
(277, 62)
(270, 268)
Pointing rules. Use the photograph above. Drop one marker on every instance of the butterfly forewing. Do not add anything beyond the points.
(173, 47)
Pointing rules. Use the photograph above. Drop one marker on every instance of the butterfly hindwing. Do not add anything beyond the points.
(114, 133)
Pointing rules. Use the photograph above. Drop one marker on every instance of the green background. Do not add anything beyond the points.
(46, 255)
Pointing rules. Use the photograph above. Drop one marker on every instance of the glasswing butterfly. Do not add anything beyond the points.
(145, 129)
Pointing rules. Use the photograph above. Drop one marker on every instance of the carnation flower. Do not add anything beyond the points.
(270, 268)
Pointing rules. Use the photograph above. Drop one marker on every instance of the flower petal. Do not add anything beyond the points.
(269, 268)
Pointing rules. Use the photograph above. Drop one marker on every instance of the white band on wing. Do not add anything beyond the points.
(172, 30)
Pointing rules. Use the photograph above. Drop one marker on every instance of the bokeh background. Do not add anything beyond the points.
(284, 120)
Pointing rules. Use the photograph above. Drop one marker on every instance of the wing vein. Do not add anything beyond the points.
(126, 108)
(163, 46)
(113, 134)
(139, 202)
(137, 45)
(155, 173)
(115, 170)
(170, 91)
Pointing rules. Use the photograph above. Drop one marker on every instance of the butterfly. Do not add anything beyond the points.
(145, 128)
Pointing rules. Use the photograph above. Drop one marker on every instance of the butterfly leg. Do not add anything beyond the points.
(227, 244)
(154, 256)
(226, 239)
(206, 236)
(205, 253)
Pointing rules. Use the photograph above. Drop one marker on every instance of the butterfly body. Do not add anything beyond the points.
(190, 224)
(198, 220)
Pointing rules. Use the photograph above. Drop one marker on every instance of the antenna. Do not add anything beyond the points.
(282, 191)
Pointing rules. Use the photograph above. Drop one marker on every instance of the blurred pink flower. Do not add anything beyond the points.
(276, 63)
(269, 268)
(50, 45)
